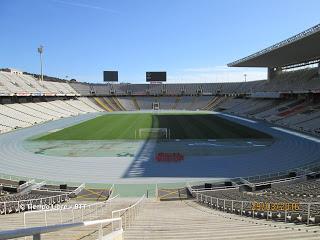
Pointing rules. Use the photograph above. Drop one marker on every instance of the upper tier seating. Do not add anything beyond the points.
(20, 115)
(25, 84)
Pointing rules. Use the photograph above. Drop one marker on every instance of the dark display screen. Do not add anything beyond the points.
(156, 76)
(110, 76)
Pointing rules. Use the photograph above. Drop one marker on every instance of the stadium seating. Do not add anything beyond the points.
(299, 114)
(20, 115)
(15, 199)
(236, 200)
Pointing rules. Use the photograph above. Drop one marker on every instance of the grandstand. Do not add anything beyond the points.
(265, 128)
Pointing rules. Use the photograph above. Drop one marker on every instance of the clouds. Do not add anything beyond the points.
(84, 5)
(216, 74)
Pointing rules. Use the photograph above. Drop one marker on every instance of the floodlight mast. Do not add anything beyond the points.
(40, 51)
(245, 77)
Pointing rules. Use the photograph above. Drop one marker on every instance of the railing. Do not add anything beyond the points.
(302, 170)
(12, 178)
(277, 181)
(307, 211)
(25, 185)
(267, 178)
(128, 214)
(111, 191)
(212, 189)
(79, 189)
(31, 204)
(67, 214)
(36, 232)
(37, 185)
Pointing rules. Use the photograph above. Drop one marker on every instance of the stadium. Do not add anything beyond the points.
(161, 160)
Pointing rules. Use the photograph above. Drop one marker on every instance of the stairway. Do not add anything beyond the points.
(118, 104)
(102, 104)
(135, 103)
(14, 221)
(176, 102)
(210, 104)
(187, 220)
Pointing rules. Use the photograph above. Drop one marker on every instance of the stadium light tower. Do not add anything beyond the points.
(40, 51)
(245, 77)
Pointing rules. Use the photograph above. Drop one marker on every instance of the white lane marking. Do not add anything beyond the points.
(54, 130)
(297, 134)
(236, 117)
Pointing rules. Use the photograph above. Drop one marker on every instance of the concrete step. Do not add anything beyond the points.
(188, 220)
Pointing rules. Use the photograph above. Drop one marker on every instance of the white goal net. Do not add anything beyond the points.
(155, 133)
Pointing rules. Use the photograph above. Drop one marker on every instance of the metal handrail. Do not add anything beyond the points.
(111, 190)
(26, 184)
(36, 199)
(214, 200)
(37, 231)
(72, 209)
(239, 185)
(79, 189)
(129, 213)
(31, 202)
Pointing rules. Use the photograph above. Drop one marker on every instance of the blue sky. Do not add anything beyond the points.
(192, 40)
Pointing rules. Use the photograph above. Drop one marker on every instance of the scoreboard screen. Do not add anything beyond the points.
(110, 76)
(156, 76)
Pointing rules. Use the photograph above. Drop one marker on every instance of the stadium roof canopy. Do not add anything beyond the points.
(301, 48)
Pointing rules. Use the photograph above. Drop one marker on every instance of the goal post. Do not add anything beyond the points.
(152, 133)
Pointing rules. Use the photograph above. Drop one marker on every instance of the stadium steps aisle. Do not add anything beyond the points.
(135, 103)
(101, 104)
(14, 221)
(176, 102)
(193, 102)
(210, 104)
(117, 102)
(110, 104)
(187, 220)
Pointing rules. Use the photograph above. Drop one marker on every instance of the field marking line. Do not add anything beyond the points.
(236, 117)
(297, 134)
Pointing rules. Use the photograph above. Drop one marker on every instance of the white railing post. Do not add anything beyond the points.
(241, 207)
(129, 215)
(100, 232)
(285, 215)
(45, 218)
(112, 224)
(72, 215)
(81, 213)
(231, 205)
(308, 220)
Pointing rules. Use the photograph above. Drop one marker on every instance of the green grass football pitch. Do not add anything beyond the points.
(182, 126)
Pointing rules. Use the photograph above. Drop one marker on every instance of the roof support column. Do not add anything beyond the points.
(272, 72)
